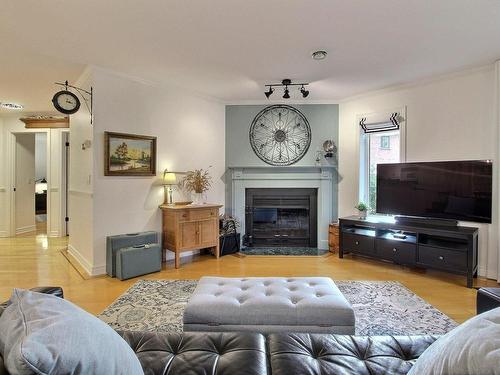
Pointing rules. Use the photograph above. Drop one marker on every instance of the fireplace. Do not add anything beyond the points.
(281, 217)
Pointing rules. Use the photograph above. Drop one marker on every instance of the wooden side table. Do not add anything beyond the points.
(333, 237)
(187, 228)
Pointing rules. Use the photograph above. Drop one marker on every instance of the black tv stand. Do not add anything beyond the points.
(447, 248)
(417, 220)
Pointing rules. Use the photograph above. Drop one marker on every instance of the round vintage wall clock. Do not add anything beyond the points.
(280, 135)
(66, 102)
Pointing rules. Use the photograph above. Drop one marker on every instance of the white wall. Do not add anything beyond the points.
(40, 155)
(80, 190)
(190, 132)
(448, 118)
(25, 183)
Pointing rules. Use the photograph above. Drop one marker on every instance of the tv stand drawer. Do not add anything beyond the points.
(442, 258)
(358, 244)
(397, 251)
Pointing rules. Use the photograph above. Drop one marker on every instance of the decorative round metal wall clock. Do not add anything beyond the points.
(280, 135)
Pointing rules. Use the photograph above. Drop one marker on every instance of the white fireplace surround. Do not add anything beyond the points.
(321, 178)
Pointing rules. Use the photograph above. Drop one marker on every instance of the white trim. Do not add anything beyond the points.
(4, 233)
(80, 259)
(53, 233)
(312, 177)
(80, 192)
(364, 147)
(26, 229)
(418, 82)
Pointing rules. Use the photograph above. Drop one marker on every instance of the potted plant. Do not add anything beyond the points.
(229, 238)
(362, 210)
(197, 181)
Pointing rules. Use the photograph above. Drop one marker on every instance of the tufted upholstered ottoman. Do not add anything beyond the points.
(269, 304)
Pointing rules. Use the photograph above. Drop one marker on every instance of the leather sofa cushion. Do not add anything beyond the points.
(337, 354)
(199, 353)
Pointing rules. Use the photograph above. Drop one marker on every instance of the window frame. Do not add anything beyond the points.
(364, 151)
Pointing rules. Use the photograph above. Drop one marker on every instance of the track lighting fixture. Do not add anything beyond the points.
(285, 83)
(304, 92)
(269, 93)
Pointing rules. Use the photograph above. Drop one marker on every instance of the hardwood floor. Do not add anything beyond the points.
(35, 260)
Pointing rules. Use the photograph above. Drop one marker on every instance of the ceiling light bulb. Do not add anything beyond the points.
(304, 92)
(269, 92)
(319, 55)
(287, 93)
(11, 106)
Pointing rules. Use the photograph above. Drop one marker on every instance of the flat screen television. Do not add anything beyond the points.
(460, 190)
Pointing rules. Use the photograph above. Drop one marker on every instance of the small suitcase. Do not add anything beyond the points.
(138, 260)
(115, 243)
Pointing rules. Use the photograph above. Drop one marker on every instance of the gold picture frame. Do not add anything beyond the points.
(129, 154)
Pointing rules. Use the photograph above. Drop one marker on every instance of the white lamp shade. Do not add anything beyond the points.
(169, 178)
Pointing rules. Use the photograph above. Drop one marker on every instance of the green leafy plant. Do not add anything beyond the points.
(198, 180)
(361, 207)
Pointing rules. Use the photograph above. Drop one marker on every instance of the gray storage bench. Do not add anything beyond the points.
(269, 304)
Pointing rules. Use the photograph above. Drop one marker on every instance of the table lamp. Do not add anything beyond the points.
(169, 180)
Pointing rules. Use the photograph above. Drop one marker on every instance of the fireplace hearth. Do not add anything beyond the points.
(281, 217)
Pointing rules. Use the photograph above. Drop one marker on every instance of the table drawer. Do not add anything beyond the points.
(197, 214)
(358, 244)
(397, 251)
(442, 258)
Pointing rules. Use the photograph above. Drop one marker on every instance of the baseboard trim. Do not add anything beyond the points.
(26, 229)
(54, 233)
(79, 262)
(4, 233)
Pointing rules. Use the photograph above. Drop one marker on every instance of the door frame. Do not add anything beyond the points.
(55, 225)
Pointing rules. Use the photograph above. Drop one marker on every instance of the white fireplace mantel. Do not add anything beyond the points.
(321, 178)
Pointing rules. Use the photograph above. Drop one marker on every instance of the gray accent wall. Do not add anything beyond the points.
(324, 122)
(323, 119)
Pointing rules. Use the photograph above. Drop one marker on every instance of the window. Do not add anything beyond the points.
(385, 142)
(376, 148)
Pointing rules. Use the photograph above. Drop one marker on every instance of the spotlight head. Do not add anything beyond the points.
(269, 92)
(304, 92)
(287, 93)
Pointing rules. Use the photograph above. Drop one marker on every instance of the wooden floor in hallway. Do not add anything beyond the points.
(36, 260)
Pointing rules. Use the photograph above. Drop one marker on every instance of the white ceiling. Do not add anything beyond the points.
(229, 49)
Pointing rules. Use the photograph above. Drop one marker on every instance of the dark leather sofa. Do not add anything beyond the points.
(233, 353)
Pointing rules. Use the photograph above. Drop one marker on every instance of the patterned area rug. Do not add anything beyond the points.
(381, 308)
(309, 251)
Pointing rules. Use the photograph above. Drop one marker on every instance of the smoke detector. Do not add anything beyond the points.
(319, 55)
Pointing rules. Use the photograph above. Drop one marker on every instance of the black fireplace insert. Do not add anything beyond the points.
(281, 217)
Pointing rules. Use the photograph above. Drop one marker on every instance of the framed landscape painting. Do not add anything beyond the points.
(129, 155)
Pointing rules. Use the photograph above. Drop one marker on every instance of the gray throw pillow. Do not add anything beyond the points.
(471, 348)
(44, 334)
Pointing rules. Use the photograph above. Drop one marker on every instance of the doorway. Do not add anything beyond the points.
(39, 181)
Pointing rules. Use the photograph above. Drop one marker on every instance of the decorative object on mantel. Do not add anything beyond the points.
(285, 83)
(169, 180)
(68, 103)
(197, 181)
(49, 122)
(362, 210)
(129, 155)
(330, 148)
(280, 135)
